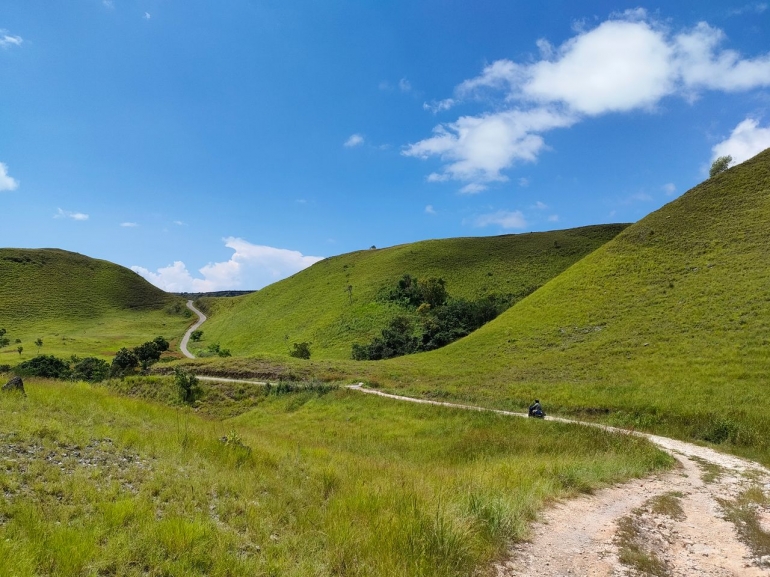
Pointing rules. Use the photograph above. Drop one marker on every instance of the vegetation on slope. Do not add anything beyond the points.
(336, 484)
(79, 305)
(665, 327)
(317, 306)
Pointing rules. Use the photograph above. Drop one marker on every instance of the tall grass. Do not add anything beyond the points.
(305, 484)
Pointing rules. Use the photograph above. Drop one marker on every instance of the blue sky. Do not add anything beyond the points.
(226, 145)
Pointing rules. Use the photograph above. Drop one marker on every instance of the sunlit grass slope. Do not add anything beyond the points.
(304, 485)
(79, 305)
(667, 325)
(314, 305)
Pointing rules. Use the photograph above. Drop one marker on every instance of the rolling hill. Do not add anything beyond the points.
(667, 325)
(315, 306)
(79, 305)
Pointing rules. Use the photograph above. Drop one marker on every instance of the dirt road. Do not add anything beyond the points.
(692, 521)
(186, 337)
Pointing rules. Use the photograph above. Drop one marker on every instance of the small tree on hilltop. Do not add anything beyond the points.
(720, 165)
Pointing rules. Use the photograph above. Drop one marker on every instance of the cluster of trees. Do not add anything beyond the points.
(439, 319)
(126, 361)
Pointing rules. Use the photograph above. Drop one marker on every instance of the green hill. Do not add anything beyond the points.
(315, 306)
(666, 326)
(79, 305)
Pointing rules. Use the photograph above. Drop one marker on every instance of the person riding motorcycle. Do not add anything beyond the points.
(535, 410)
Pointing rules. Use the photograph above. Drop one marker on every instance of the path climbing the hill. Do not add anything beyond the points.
(186, 337)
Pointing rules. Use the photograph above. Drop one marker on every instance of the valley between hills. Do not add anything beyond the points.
(661, 327)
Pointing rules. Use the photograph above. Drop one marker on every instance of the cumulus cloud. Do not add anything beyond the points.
(128, 224)
(250, 267)
(502, 218)
(354, 140)
(71, 215)
(473, 188)
(7, 40)
(628, 62)
(746, 140)
(147, 16)
(404, 85)
(6, 181)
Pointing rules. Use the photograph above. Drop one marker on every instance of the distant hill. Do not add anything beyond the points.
(194, 296)
(58, 295)
(670, 321)
(315, 305)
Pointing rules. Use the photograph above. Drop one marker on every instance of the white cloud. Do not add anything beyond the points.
(147, 16)
(539, 206)
(523, 182)
(436, 177)
(473, 188)
(478, 148)
(404, 85)
(108, 3)
(128, 224)
(6, 40)
(354, 140)
(250, 267)
(628, 62)
(754, 8)
(438, 106)
(746, 140)
(180, 223)
(430, 210)
(669, 188)
(68, 214)
(553, 218)
(502, 218)
(6, 181)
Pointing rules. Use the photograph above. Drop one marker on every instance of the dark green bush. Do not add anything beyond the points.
(91, 369)
(47, 366)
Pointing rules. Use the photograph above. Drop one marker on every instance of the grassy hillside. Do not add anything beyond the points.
(79, 305)
(314, 305)
(96, 484)
(666, 326)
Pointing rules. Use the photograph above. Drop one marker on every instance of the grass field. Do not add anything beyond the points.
(79, 305)
(305, 484)
(314, 305)
(665, 328)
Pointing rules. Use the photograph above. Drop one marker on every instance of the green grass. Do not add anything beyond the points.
(79, 305)
(314, 305)
(664, 328)
(304, 484)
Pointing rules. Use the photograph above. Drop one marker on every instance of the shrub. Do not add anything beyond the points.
(187, 385)
(300, 351)
(720, 165)
(47, 366)
(196, 335)
(91, 369)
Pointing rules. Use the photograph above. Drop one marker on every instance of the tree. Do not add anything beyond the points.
(196, 335)
(20, 349)
(147, 354)
(161, 343)
(38, 344)
(720, 165)
(47, 366)
(125, 361)
(90, 369)
(187, 385)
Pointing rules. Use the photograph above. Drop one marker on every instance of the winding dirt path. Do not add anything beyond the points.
(583, 537)
(679, 521)
(186, 337)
